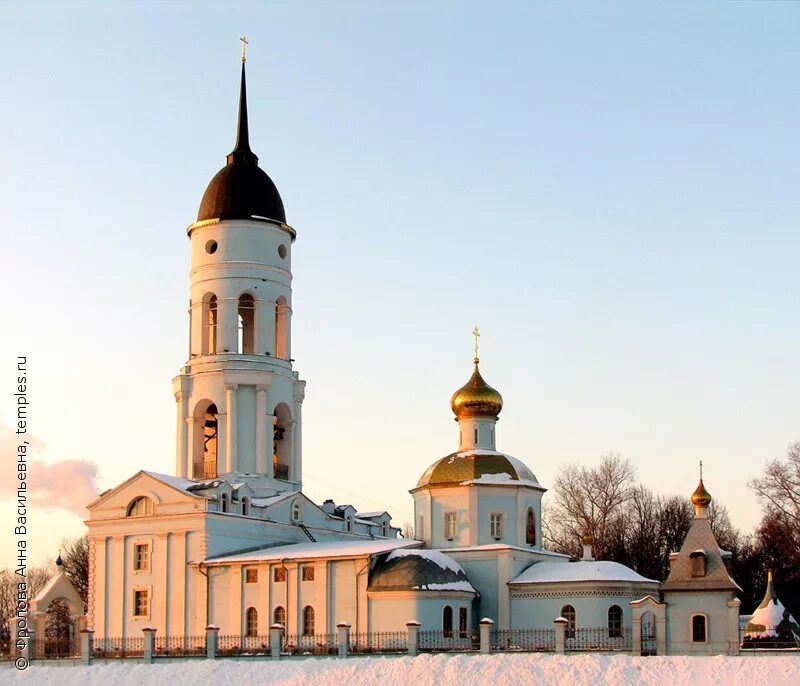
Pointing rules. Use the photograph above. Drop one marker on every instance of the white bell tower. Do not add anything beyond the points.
(238, 399)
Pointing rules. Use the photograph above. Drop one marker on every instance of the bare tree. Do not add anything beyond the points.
(408, 530)
(35, 579)
(587, 500)
(778, 490)
(75, 555)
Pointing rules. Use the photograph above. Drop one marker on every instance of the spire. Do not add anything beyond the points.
(241, 152)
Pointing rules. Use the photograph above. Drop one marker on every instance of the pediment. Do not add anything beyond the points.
(168, 493)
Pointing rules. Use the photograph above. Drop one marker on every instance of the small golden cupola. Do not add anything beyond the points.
(701, 498)
(476, 398)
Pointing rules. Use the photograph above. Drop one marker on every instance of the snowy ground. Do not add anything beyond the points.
(441, 670)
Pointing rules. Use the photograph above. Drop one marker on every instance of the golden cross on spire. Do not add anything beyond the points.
(244, 47)
(701, 470)
(476, 334)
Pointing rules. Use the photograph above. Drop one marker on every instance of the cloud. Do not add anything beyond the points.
(64, 485)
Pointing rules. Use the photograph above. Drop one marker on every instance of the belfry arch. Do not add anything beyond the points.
(282, 442)
(205, 456)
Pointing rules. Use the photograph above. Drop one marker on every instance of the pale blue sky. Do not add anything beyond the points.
(608, 189)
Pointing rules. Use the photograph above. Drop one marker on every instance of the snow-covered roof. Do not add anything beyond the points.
(419, 569)
(321, 549)
(583, 570)
(435, 556)
(174, 481)
(501, 479)
(266, 502)
(369, 515)
(450, 586)
(507, 546)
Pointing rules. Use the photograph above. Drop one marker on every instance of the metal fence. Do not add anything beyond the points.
(598, 638)
(310, 644)
(523, 640)
(180, 646)
(54, 648)
(121, 648)
(448, 641)
(236, 644)
(379, 642)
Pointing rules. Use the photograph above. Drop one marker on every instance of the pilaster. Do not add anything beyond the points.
(232, 431)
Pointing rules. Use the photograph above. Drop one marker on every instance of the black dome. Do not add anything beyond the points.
(241, 189)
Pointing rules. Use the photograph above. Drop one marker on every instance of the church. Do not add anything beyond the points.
(231, 540)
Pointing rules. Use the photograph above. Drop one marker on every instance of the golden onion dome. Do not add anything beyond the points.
(587, 538)
(701, 496)
(476, 398)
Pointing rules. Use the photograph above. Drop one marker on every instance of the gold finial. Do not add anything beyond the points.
(244, 47)
(476, 334)
(701, 470)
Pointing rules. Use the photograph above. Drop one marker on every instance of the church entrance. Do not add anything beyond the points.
(649, 634)
(59, 635)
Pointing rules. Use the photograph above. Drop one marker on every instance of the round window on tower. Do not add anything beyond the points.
(211, 247)
(282, 251)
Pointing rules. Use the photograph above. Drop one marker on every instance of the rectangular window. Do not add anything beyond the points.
(251, 576)
(496, 525)
(450, 525)
(141, 557)
(462, 622)
(308, 573)
(279, 574)
(141, 603)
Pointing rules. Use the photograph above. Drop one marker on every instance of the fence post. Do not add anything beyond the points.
(560, 625)
(413, 637)
(212, 641)
(87, 645)
(29, 646)
(733, 625)
(275, 640)
(343, 629)
(486, 625)
(636, 635)
(149, 644)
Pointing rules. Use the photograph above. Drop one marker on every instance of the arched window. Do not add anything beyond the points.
(247, 328)
(308, 621)
(296, 512)
(282, 442)
(349, 522)
(530, 527)
(615, 621)
(252, 621)
(205, 457)
(223, 502)
(447, 621)
(281, 329)
(568, 613)
(210, 325)
(699, 629)
(140, 507)
(246, 506)
(279, 615)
